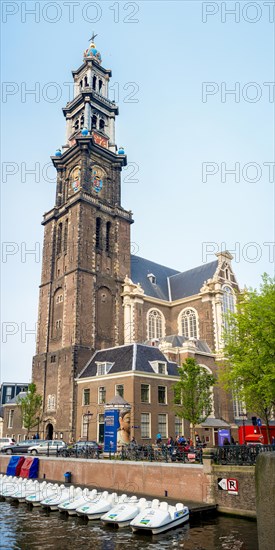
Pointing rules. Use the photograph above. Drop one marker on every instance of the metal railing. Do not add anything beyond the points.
(243, 455)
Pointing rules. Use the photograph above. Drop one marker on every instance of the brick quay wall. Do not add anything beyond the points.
(182, 482)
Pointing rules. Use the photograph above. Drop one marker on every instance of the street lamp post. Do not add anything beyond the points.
(38, 423)
(88, 415)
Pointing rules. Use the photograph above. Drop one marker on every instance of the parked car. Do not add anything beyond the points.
(6, 441)
(88, 449)
(50, 447)
(18, 448)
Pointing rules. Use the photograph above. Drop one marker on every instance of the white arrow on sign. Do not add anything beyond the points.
(223, 484)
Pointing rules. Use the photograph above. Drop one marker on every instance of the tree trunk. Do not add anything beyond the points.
(267, 429)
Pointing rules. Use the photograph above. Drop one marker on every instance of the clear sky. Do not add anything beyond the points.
(172, 64)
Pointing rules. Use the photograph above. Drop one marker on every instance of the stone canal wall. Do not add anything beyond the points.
(183, 482)
(241, 478)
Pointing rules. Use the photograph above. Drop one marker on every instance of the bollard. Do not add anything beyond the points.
(68, 477)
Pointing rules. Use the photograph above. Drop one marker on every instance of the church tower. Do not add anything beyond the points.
(86, 253)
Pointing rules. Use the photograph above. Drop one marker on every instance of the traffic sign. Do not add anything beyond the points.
(222, 483)
(231, 485)
(259, 422)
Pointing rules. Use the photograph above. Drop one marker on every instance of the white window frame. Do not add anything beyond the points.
(149, 392)
(148, 424)
(99, 399)
(165, 401)
(103, 368)
(10, 418)
(228, 303)
(190, 330)
(155, 366)
(179, 423)
(164, 436)
(83, 397)
(84, 426)
(156, 332)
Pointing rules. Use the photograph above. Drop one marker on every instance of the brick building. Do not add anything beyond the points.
(96, 299)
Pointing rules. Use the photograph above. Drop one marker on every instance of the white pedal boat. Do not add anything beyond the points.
(43, 491)
(23, 489)
(10, 485)
(82, 497)
(52, 502)
(122, 514)
(95, 508)
(160, 517)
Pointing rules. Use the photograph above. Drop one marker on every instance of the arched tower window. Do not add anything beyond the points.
(108, 234)
(98, 233)
(155, 324)
(228, 304)
(81, 84)
(76, 125)
(102, 125)
(86, 81)
(82, 121)
(94, 121)
(100, 84)
(65, 241)
(94, 82)
(188, 323)
(59, 239)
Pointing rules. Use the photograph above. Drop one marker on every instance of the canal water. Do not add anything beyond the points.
(23, 528)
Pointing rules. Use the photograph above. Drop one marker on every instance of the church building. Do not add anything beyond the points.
(110, 323)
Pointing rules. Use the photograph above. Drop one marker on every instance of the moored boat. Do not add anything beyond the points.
(122, 514)
(160, 517)
(94, 509)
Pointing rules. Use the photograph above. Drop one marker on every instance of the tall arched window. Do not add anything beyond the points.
(98, 233)
(155, 324)
(108, 233)
(59, 239)
(101, 125)
(65, 241)
(228, 304)
(94, 121)
(94, 82)
(188, 323)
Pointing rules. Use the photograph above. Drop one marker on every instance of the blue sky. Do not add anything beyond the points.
(166, 53)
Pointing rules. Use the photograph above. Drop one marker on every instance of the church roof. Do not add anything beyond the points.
(141, 268)
(132, 357)
(170, 284)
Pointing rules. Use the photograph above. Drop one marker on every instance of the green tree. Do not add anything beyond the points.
(30, 406)
(193, 393)
(249, 370)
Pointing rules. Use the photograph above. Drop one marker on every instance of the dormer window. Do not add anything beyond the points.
(160, 367)
(152, 278)
(103, 368)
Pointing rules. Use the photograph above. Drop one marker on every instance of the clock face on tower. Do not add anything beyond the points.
(74, 180)
(98, 175)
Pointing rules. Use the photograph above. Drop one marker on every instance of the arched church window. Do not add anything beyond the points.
(228, 304)
(65, 241)
(86, 81)
(98, 233)
(81, 84)
(108, 233)
(51, 403)
(76, 125)
(155, 324)
(94, 121)
(94, 82)
(188, 323)
(100, 84)
(59, 239)
(82, 121)
(102, 124)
